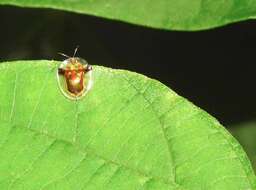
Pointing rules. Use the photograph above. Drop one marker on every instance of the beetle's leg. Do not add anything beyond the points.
(88, 68)
(61, 71)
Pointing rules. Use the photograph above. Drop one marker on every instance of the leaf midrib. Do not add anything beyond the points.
(161, 127)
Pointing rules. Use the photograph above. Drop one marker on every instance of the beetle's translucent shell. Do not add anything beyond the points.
(74, 77)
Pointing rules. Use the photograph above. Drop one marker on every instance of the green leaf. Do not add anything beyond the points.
(163, 14)
(129, 132)
(245, 133)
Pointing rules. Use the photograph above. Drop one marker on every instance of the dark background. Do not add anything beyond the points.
(215, 69)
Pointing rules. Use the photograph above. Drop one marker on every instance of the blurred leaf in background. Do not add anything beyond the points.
(245, 133)
(164, 14)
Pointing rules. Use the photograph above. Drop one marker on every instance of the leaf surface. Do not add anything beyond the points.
(163, 14)
(129, 132)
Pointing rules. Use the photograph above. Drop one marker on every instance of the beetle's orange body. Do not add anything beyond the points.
(74, 70)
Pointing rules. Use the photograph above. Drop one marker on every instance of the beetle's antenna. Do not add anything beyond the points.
(64, 55)
(75, 51)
